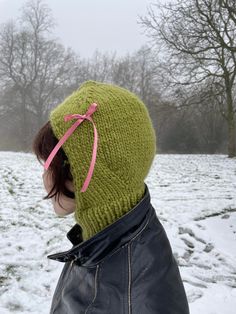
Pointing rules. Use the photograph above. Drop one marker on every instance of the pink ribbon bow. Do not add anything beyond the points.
(90, 111)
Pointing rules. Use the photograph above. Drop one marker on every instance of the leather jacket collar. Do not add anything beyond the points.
(108, 240)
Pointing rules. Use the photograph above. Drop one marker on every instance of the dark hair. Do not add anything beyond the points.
(42, 145)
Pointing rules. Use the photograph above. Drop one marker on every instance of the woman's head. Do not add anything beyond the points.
(59, 169)
(126, 147)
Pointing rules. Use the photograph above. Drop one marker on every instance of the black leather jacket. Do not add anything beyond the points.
(127, 268)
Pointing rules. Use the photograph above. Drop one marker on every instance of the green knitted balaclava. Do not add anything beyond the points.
(125, 152)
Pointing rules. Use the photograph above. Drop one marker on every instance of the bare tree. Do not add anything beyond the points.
(99, 66)
(139, 72)
(33, 64)
(124, 72)
(197, 41)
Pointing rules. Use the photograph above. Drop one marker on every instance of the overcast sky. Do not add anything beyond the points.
(86, 25)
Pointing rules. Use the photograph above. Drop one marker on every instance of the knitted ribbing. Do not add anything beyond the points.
(126, 149)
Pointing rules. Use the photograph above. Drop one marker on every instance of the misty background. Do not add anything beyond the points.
(48, 48)
(88, 25)
(179, 57)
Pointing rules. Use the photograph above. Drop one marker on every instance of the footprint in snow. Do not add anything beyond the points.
(194, 294)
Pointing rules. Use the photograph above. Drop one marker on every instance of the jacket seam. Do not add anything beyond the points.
(95, 290)
(127, 243)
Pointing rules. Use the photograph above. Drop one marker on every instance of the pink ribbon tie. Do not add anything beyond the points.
(92, 108)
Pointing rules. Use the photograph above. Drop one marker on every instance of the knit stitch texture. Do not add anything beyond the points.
(126, 149)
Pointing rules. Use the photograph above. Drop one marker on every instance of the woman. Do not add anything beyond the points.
(121, 260)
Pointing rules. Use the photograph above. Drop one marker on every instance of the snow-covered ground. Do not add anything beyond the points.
(194, 197)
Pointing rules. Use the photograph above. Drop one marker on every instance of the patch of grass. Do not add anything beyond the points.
(15, 307)
(3, 280)
(11, 191)
(10, 269)
(15, 178)
(31, 209)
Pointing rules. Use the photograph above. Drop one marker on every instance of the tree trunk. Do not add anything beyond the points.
(231, 136)
(24, 125)
(231, 124)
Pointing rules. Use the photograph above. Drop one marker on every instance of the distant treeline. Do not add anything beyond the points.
(37, 72)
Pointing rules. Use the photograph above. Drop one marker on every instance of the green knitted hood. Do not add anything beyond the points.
(125, 152)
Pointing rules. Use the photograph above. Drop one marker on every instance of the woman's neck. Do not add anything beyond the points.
(97, 214)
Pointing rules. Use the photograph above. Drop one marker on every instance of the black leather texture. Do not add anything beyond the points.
(127, 268)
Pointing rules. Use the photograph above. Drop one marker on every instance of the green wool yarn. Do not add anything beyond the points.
(125, 152)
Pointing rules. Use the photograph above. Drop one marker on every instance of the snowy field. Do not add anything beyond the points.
(194, 197)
